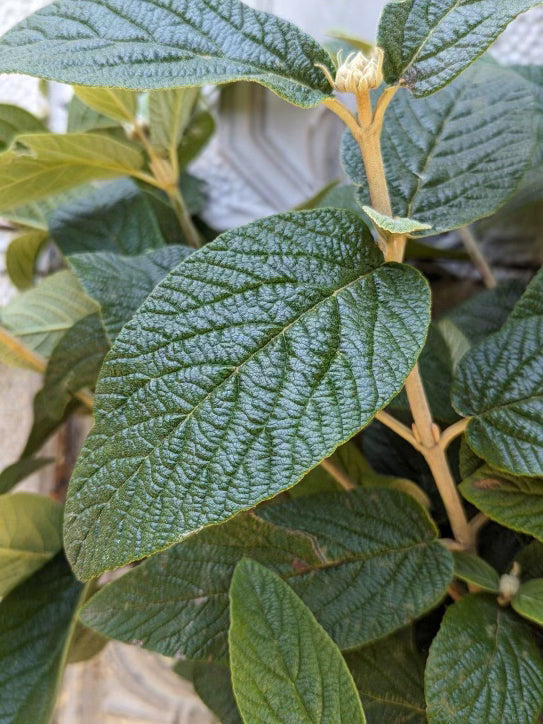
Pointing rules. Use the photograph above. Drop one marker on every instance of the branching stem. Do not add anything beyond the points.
(338, 474)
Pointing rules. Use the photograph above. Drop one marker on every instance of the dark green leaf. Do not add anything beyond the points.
(213, 684)
(365, 562)
(472, 569)
(515, 502)
(427, 44)
(121, 283)
(251, 362)
(463, 151)
(284, 665)
(484, 666)
(36, 621)
(196, 136)
(167, 46)
(389, 676)
(530, 560)
(528, 602)
(13, 474)
(14, 121)
(500, 385)
(85, 644)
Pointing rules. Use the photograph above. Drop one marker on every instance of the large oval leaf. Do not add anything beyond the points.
(250, 363)
(429, 42)
(456, 156)
(484, 666)
(285, 668)
(500, 384)
(130, 44)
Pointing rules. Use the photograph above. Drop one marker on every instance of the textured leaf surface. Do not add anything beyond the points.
(57, 162)
(389, 676)
(472, 569)
(427, 43)
(516, 502)
(285, 668)
(500, 384)
(14, 121)
(251, 362)
(484, 666)
(21, 257)
(170, 112)
(30, 535)
(41, 316)
(117, 217)
(166, 45)
(394, 225)
(121, 283)
(35, 623)
(14, 473)
(529, 600)
(366, 563)
(462, 152)
(121, 105)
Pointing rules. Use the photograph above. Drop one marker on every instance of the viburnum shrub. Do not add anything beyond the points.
(331, 504)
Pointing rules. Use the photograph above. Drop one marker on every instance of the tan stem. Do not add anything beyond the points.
(477, 257)
(478, 522)
(338, 474)
(185, 222)
(398, 427)
(452, 432)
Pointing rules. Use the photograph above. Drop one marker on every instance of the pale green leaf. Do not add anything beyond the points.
(82, 118)
(119, 284)
(388, 225)
(56, 162)
(528, 602)
(40, 316)
(36, 621)
(116, 217)
(169, 45)
(14, 121)
(253, 360)
(30, 535)
(366, 563)
(499, 385)
(21, 257)
(428, 43)
(284, 665)
(36, 215)
(170, 113)
(121, 105)
(484, 666)
(18, 471)
(472, 569)
(389, 676)
(516, 502)
(463, 151)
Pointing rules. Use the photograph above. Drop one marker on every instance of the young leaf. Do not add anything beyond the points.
(529, 600)
(14, 121)
(284, 665)
(515, 502)
(21, 257)
(170, 112)
(121, 283)
(388, 225)
(463, 151)
(366, 563)
(499, 384)
(196, 136)
(18, 471)
(116, 217)
(30, 535)
(55, 162)
(174, 45)
(121, 105)
(36, 621)
(472, 569)
(484, 666)
(291, 318)
(389, 676)
(427, 44)
(40, 316)
(82, 118)
(36, 214)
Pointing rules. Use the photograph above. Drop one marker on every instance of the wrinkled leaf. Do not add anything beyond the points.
(167, 46)
(121, 283)
(251, 362)
(484, 666)
(428, 43)
(463, 151)
(284, 665)
(30, 535)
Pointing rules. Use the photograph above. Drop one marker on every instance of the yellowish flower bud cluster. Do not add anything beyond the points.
(359, 73)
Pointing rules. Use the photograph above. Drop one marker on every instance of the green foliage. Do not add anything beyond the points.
(528, 602)
(15, 121)
(284, 665)
(472, 569)
(469, 673)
